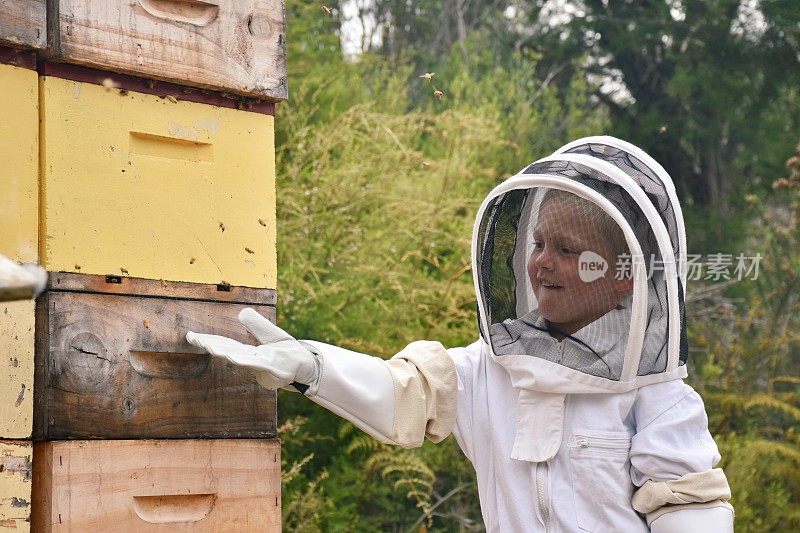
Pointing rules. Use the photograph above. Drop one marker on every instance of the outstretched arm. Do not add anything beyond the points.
(399, 401)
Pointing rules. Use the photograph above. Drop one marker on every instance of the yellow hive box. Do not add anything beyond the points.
(19, 168)
(19, 203)
(16, 369)
(151, 187)
(15, 485)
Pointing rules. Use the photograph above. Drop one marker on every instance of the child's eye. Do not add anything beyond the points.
(538, 245)
(568, 250)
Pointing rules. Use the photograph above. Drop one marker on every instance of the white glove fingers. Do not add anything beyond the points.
(203, 340)
(279, 361)
(257, 362)
(216, 344)
(262, 329)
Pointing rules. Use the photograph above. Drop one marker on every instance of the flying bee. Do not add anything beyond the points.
(109, 84)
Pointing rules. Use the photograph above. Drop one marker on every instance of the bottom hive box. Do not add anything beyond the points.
(15, 485)
(156, 485)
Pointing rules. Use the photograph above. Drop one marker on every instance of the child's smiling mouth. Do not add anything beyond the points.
(549, 285)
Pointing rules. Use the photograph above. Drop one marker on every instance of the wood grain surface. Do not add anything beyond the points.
(143, 486)
(118, 367)
(22, 23)
(124, 285)
(229, 45)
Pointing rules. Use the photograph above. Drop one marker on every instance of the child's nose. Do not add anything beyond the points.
(543, 258)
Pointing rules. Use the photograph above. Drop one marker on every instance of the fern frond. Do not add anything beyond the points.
(289, 474)
(795, 380)
(770, 402)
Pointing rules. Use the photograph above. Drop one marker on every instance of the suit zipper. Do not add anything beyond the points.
(541, 489)
(581, 441)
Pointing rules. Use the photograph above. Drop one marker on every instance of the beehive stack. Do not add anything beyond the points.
(19, 207)
(137, 145)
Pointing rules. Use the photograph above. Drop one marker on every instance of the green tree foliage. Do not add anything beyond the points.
(747, 367)
(708, 87)
(700, 74)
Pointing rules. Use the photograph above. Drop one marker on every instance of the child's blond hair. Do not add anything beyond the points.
(610, 232)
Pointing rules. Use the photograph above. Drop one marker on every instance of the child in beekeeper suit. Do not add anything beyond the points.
(571, 406)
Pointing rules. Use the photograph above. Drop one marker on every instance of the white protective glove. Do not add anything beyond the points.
(280, 361)
(395, 401)
(695, 520)
(20, 282)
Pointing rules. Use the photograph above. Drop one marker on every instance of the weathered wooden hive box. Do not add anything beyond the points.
(235, 46)
(113, 349)
(23, 24)
(137, 141)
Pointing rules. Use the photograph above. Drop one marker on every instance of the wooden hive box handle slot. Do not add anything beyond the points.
(169, 365)
(175, 508)
(195, 12)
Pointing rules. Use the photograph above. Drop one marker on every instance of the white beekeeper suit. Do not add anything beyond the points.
(571, 406)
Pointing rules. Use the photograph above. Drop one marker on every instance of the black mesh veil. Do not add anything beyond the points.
(557, 272)
(658, 189)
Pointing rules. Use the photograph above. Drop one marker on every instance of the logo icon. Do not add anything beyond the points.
(591, 266)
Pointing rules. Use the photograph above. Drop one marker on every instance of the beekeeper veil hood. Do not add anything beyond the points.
(577, 263)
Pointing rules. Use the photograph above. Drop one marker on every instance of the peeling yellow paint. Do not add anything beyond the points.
(143, 182)
(19, 220)
(19, 164)
(15, 486)
(16, 369)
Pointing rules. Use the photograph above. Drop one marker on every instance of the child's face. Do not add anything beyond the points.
(564, 299)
